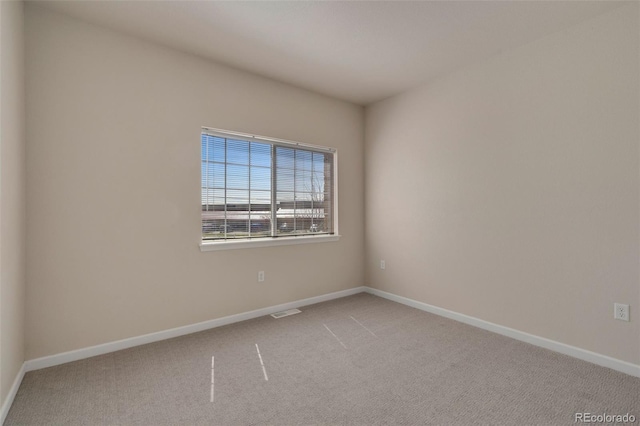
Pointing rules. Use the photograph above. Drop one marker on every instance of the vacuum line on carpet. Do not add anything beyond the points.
(340, 341)
(372, 333)
(264, 370)
(212, 377)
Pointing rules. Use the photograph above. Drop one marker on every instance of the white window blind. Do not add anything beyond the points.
(254, 187)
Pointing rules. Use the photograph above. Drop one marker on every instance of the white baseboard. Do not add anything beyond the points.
(62, 358)
(6, 404)
(583, 354)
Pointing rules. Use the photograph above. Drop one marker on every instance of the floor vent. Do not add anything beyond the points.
(286, 313)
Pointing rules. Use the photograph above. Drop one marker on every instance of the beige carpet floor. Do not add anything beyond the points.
(360, 360)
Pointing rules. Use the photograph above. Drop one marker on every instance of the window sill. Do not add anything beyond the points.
(266, 242)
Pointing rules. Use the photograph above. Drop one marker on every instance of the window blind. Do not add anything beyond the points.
(255, 188)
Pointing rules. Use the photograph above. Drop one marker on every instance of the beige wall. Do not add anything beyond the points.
(12, 194)
(509, 190)
(113, 188)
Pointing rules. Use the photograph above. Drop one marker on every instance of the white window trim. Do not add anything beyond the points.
(266, 242)
(279, 241)
(282, 142)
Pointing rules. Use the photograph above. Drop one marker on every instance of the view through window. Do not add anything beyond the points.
(259, 188)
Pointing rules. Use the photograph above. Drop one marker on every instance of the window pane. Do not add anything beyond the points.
(304, 182)
(262, 199)
(204, 198)
(285, 197)
(303, 159)
(303, 199)
(237, 152)
(318, 161)
(240, 228)
(260, 154)
(260, 178)
(285, 179)
(217, 194)
(237, 183)
(285, 157)
(212, 197)
(203, 175)
(285, 226)
(260, 225)
(213, 175)
(237, 177)
(235, 196)
(213, 148)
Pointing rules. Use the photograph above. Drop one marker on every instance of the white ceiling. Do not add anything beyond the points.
(361, 52)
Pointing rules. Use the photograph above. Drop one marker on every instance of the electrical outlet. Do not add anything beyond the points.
(260, 276)
(621, 311)
(382, 264)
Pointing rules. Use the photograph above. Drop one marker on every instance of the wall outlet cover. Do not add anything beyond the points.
(621, 311)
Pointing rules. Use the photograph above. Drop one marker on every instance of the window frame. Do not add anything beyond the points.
(241, 243)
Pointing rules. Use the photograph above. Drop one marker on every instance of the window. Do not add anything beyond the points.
(256, 188)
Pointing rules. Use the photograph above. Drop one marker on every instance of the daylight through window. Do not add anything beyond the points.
(254, 187)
